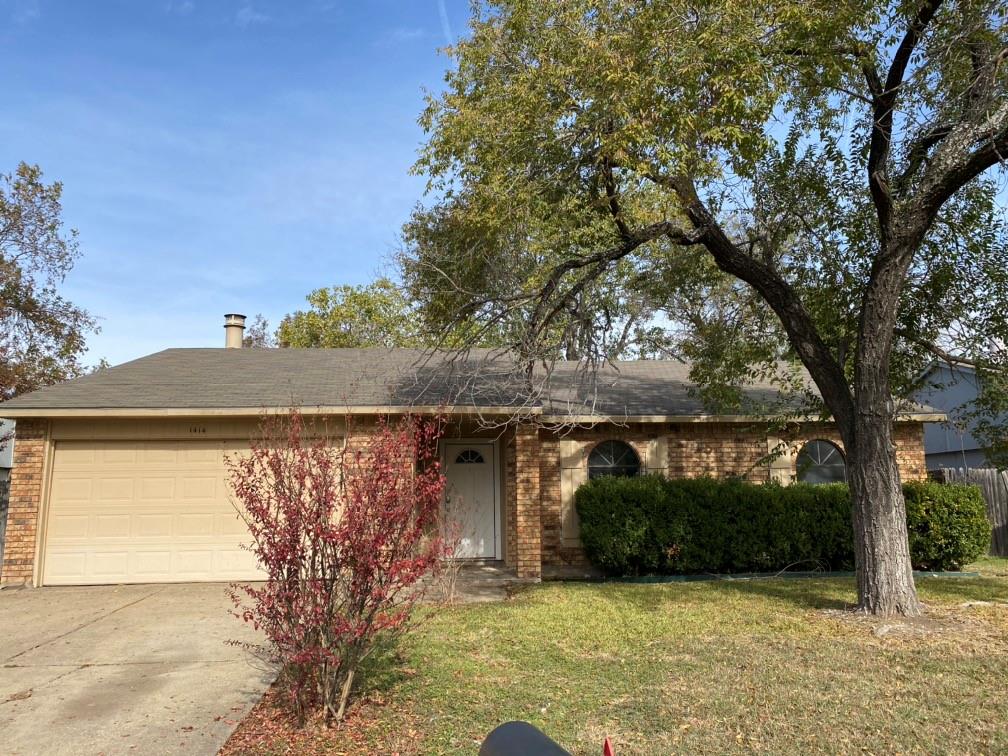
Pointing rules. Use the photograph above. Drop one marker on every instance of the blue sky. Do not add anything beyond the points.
(219, 156)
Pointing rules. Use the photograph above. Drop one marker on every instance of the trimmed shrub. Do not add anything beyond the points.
(626, 525)
(947, 524)
(649, 525)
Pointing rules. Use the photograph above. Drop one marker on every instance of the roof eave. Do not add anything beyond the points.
(922, 417)
(142, 412)
(553, 418)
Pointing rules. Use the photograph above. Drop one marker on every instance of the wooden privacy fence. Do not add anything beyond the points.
(994, 486)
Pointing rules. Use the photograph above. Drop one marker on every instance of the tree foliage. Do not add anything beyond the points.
(42, 334)
(378, 314)
(784, 182)
(558, 146)
(258, 335)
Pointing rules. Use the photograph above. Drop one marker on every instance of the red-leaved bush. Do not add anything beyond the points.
(344, 534)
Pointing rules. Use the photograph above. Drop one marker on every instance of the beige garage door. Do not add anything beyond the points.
(143, 512)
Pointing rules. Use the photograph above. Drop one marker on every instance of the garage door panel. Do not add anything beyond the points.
(151, 564)
(72, 489)
(232, 524)
(207, 457)
(69, 564)
(153, 526)
(115, 489)
(234, 562)
(110, 526)
(118, 455)
(192, 524)
(152, 489)
(75, 457)
(165, 516)
(108, 564)
(69, 527)
(158, 455)
(199, 488)
(193, 562)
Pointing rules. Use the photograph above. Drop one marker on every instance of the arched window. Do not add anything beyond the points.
(821, 461)
(613, 458)
(469, 457)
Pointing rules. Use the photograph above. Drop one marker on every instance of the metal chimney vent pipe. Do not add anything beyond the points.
(234, 329)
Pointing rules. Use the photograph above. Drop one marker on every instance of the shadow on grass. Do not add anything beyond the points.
(950, 590)
(803, 593)
(382, 671)
(839, 592)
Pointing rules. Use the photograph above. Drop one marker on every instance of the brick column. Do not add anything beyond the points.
(909, 440)
(529, 529)
(25, 499)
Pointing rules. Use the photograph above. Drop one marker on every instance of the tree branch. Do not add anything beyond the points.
(544, 314)
(956, 173)
(613, 199)
(801, 330)
(934, 349)
(884, 97)
(919, 150)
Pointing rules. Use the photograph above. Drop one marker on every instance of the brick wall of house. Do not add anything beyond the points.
(510, 514)
(717, 450)
(26, 482)
(528, 554)
(549, 492)
(909, 438)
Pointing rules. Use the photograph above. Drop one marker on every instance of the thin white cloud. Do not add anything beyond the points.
(247, 16)
(21, 11)
(404, 34)
(182, 7)
(445, 23)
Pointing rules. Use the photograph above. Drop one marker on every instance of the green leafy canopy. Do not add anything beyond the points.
(587, 156)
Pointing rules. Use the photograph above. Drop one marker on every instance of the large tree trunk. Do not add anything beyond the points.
(881, 547)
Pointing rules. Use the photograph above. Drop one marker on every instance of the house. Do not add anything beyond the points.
(6, 460)
(951, 387)
(119, 475)
(6, 449)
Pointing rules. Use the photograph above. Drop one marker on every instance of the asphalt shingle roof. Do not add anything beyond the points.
(222, 379)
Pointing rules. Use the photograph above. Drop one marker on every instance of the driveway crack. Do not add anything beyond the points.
(81, 626)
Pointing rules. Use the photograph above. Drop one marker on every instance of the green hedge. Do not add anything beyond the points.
(649, 525)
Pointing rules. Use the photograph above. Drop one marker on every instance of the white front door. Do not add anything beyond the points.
(471, 497)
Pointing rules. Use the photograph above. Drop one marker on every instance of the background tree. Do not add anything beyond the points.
(378, 314)
(257, 335)
(817, 166)
(41, 333)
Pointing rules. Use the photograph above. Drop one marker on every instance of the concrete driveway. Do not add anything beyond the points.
(122, 669)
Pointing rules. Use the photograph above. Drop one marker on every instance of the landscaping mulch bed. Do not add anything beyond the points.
(270, 728)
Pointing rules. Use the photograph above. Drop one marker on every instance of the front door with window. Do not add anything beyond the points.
(471, 497)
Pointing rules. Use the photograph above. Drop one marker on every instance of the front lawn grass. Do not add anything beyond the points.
(990, 565)
(732, 666)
